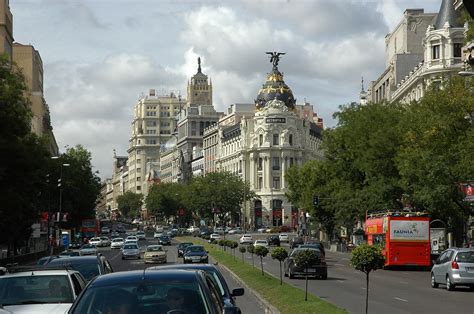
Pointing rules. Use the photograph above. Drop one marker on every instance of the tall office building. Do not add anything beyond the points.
(152, 126)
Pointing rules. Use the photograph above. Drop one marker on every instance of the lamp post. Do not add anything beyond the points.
(59, 219)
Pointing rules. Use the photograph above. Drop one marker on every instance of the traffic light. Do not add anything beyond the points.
(315, 200)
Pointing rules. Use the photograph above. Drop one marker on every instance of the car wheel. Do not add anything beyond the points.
(123, 257)
(324, 277)
(290, 274)
(434, 284)
(449, 285)
(285, 274)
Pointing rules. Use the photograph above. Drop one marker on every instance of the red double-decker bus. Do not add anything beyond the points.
(403, 236)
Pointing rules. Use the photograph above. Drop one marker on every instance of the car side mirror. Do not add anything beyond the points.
(238, 292)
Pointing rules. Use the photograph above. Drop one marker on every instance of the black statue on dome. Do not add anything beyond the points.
(275, 58)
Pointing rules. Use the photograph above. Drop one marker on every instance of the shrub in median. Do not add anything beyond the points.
(280, 254)
(262, 252)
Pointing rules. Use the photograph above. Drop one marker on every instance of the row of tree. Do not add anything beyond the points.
(220, 193)
(381, 151)
(28, 175)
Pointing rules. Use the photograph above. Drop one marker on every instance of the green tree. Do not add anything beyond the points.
(305, 259)
(280, 254)
(261, 251)
(165, 200)
(80, 185)
(436, 154)
(129, 204)
(242, 250)
(367, 258)
(23, 161)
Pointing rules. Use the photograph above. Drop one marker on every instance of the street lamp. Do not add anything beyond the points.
(60, 196)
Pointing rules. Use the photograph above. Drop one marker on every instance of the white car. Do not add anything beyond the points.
(157, 235)
(104, 241)
(246, 239)
(95, 241)
(116, 243)
(88, 249)
(284, 237)
(40, 291)
(214, 237)
(263, 243)
(235, 230)
(131, 238)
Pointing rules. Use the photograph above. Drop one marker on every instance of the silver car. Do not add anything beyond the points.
(454, 267)
(130, 250)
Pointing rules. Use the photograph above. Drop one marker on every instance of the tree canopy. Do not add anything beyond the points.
(380, 151)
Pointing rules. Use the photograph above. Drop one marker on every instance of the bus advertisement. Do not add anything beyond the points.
(403, 236)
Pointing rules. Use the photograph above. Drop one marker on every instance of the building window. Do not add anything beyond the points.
(276, 182)
(457, 50)
(240, 166)
(276, 139)
(435, 52)
(260, 183)
(260, 164)
(139, 188)
(260, 139)
(139, 178)
(276, 163)
(291, 161)
(290, 139)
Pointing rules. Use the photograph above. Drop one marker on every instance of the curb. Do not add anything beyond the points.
(269, 309)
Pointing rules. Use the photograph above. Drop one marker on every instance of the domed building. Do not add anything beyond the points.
(260, 142)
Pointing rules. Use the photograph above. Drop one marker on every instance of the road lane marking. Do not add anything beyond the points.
(400, 299)
(338, 265)
(340, 281)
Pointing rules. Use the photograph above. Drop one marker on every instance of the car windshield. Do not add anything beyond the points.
(117, 240)
(35, 289)
(465, 257)
(296, 251)
(130, 247)
(183, 245)
(154, 249)
(261, 241)
(156, 295)
(195, 249)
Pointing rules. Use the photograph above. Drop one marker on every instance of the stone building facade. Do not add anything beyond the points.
(424, 49)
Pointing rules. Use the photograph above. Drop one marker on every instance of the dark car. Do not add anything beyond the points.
(152, 291)
(182, 247)
(273, 240)
(195, 254)
(313, 245)
(88, 266)
(296, 241)
(318, 269)
(164, 240)
(227, 296)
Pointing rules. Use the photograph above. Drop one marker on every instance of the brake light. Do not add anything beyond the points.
(454, 265)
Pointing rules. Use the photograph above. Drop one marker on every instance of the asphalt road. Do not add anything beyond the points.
(248, 303)
(390, 291)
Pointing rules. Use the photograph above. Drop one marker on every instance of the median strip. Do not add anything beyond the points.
(285, 298)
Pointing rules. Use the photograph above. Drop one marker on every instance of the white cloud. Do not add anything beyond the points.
(99, 56)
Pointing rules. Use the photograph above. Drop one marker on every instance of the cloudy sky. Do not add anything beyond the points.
(99, 56)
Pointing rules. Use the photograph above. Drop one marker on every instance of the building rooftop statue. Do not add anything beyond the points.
(275, 87)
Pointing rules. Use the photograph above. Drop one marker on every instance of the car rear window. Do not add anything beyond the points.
(35, 289)
(465, 257)
(148, 297)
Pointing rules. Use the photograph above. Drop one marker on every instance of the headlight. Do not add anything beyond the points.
(187, 257)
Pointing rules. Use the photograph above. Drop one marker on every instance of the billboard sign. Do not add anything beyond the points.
(409, 230)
